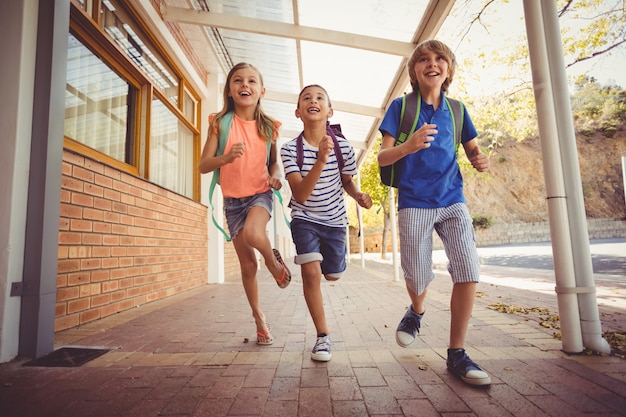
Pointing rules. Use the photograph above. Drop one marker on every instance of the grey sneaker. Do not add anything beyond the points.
(321, 350)
(409, 327)
(461, 366)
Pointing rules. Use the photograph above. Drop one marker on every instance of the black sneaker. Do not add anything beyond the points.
(460, 365)
(409, 327)
(321, 350)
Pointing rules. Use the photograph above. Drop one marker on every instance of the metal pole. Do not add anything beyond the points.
(359, 213)
(563, 185)
(624, 175)
(394, 235)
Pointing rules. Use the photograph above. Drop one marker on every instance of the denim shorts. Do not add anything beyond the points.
(236, 209)
(317, 242)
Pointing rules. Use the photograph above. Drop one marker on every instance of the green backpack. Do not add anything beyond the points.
(224, 129)
(411, 106)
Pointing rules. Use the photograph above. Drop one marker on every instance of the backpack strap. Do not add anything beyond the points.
(222, 137)
(223, 131)
(409, 115)
(333, 131)
(458, 116)
(411, 104)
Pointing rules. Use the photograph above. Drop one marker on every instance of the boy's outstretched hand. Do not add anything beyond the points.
(480, 162)
(325, 147)
(364, 200)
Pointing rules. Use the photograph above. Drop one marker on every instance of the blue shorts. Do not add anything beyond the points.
(236, 209)
(317, 242)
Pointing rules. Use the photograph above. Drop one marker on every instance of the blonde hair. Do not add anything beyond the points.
(437, 47)
(265, 124)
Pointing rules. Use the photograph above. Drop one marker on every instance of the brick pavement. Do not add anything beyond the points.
(194, 355)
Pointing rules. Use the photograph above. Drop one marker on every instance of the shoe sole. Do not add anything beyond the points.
(400, 343)
(476, 381)
(472, 381)
(321, 358)
(285, 278)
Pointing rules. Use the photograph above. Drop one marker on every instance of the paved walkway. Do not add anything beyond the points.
(194, 355)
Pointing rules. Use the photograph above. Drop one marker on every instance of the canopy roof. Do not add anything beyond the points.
(356, 49)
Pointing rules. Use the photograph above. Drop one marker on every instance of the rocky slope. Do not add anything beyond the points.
(514, 190)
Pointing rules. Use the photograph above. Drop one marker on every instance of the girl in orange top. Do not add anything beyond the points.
(247, 180)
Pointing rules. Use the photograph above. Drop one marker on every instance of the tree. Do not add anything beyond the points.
(370, 183)
(494, 76)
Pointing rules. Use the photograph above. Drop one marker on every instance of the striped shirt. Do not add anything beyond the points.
(326, 204)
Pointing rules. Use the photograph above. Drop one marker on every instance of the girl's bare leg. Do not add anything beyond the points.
(248, 265)
(255, 235)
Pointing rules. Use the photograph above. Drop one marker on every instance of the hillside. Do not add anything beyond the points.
(514, 190)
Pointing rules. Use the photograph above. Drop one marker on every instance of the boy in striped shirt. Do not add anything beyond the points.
(318, 212)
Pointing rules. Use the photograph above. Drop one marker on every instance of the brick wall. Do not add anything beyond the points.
(506, 234)
(123, 242)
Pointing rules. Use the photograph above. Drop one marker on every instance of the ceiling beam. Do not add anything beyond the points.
(286, 30)
(344, 106)
(433, 18)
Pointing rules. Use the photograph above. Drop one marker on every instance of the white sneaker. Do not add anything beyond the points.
(321, 350)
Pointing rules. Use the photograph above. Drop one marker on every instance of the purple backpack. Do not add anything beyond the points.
(333, 131)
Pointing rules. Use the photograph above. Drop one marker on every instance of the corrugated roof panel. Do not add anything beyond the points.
(275, 58)
(388, 19)
(349, 74)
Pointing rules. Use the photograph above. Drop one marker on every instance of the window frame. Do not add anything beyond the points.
(85, 27)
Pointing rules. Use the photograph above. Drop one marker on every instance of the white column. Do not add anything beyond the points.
(19, 23)
(575, 287)
(216, 239)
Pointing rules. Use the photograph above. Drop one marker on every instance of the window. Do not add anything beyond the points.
(127, 35)
(99, 105)
(171, 151)
(120, 89)
(190, 107)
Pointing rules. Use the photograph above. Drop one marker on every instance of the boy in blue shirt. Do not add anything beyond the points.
(430, 197)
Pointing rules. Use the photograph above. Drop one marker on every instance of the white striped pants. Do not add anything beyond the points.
(453, 224)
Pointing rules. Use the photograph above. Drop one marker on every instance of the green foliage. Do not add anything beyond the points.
(596, 107)
(589, 29)
(370, 183)
(482, 222)
(504, 117)
(370, 177)
(505, 110)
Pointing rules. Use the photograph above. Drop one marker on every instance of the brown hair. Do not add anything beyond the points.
(265, 124)
(330, 104)
(439, 48)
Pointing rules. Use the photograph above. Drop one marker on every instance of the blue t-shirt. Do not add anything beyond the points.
(429, 178)
(326, 204)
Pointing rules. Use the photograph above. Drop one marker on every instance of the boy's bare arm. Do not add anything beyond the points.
(477, 158)
(363, 199)
(302, 187)
(420, 139)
